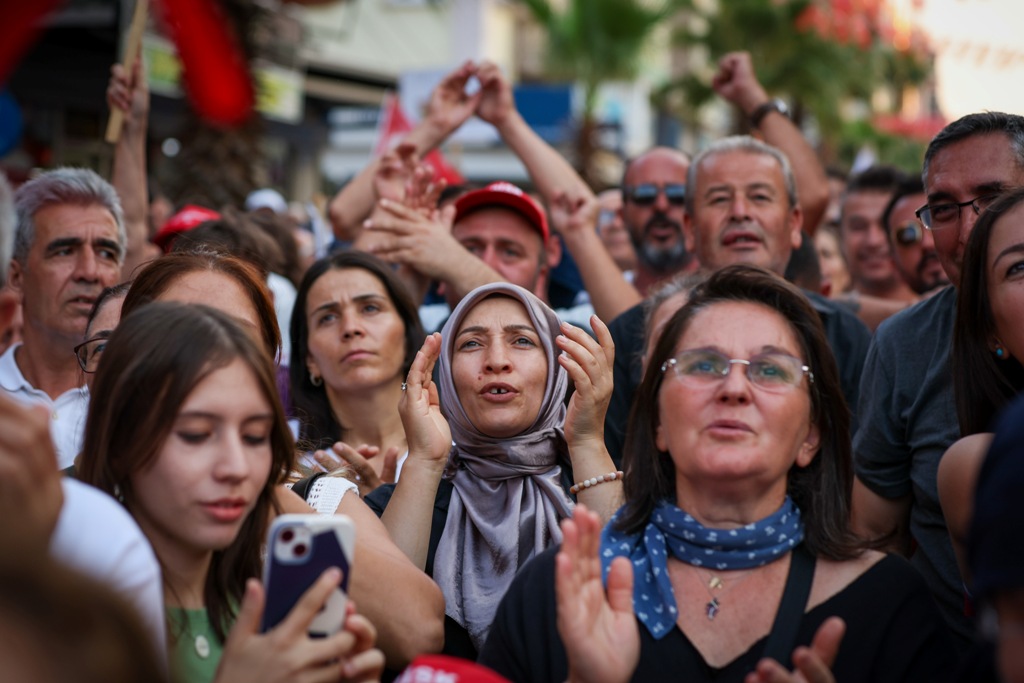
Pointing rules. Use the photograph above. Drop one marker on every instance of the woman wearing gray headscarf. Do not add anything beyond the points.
(491, 448)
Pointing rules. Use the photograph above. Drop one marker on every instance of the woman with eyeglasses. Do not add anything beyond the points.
(103, 319)
(987, 355)
(732, 559)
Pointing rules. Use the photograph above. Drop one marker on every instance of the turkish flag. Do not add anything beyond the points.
(394, 125)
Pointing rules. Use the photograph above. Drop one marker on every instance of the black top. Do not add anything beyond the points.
(893, 633)
(847, 336)
(457, 642)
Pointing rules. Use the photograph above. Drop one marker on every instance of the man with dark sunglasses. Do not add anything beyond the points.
(653, 197)
(913, 247)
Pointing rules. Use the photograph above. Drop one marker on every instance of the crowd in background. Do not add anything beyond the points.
(737, 418)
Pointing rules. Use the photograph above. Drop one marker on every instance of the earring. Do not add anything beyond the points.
(315, 381)
(118, 494)
(1000, 353)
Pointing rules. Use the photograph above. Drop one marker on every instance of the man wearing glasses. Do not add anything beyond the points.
(69, 245)
(913, 247)
(653, 197)
(907, 412)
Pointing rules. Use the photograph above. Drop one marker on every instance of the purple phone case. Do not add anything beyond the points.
(286, 583)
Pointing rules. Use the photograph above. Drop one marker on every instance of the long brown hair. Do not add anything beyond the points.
(151, 364)
(823, 489)
(982, 385)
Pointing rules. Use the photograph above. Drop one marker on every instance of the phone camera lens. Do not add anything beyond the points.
(287, 535)
(299, 550)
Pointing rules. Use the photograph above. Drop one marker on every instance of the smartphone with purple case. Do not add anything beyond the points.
(299, 549)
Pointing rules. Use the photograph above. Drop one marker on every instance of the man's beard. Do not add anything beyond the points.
(660, 259)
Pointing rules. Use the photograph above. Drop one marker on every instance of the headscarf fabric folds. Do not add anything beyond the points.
(507, 500)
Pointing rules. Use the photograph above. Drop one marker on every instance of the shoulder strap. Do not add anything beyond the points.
(782, 639)
(305, 485)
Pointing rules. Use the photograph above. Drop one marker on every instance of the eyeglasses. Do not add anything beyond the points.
(646, 194)
(769, 371)
(909, 233)
(88, 353)
(939, 216)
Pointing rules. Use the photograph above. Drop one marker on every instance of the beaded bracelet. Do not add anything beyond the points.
(594, 481)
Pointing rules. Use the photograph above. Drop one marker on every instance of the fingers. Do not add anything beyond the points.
(358, 462)
(309, 605)
(390, 469)
(325, 461)
(827, 640)
(620, 585)
(249, 615)
(365, 666)
(422, 369)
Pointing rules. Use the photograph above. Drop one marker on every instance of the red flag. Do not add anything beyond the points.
(393, 127)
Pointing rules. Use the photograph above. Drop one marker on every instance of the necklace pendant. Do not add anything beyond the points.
(715, 583)
(712, 608)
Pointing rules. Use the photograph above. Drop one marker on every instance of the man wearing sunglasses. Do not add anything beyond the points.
(653, 197)
(913, 247)
(907, 411)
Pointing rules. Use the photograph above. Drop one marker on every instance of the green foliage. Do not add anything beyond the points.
(904, 153)
(595, 41)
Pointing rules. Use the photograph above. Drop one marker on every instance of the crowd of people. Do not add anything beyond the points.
(733, 420)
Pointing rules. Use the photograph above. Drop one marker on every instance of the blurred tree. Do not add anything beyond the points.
(819, 54)
(596, 41)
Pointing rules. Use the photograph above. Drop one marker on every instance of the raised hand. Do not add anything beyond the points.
(589, 363)
(737, 83)
(598, 628)
(358, 462)
(129, 92)
(450, 106)
(496, 100)
(426, 430)
(571, 214)
(31, 495)
(813, 664)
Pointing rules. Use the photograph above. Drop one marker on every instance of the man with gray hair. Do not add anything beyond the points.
(742, 207)
(69, 244)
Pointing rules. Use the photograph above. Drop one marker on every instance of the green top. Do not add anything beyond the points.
(195, 651)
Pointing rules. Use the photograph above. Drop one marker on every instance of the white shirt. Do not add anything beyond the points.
(96, 536)
(67, 412)
(284, 301)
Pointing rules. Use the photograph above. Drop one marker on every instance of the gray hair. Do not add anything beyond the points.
(981, 123)
(76, 186)
(7, 223)
(739, 143)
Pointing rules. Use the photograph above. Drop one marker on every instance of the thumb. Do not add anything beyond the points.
(248, 621)
(620, 585)
(827, 639)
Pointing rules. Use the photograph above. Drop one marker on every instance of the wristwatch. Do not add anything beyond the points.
(771, 105)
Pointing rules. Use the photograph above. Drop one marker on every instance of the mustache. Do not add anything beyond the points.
(661, 218)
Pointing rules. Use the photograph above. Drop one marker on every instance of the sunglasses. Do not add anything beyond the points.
(909, 233)
(646, 194)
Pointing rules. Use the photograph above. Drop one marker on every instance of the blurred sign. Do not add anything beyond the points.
(279, 91)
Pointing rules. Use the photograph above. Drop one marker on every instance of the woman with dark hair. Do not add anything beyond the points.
(735, 527)
(355, 330)
(187, 432)
(988, 349)
(493, 449)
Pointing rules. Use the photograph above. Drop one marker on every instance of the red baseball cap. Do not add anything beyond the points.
(507, 195)
(183, 221)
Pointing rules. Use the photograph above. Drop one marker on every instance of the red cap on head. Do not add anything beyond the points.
(506, 195)
(445, 669)
(183, 221)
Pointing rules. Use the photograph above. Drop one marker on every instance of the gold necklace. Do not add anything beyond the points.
(715, 583)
